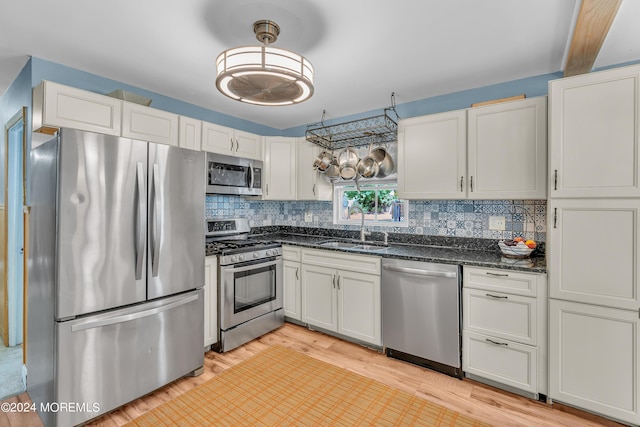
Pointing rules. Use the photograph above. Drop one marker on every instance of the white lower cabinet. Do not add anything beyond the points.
(504, 328)
(292, 279)
(341, 293)
(210, 301)
(593, 359)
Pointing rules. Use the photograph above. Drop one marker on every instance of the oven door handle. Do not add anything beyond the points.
(232, 269)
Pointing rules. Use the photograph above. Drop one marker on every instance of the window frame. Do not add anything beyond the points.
(339, 188)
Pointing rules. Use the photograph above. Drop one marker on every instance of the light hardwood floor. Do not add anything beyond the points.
(465, 396)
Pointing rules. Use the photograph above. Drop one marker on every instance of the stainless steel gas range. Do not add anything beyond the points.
(250, 282)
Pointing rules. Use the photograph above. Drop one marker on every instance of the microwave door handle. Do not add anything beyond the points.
(251, 175)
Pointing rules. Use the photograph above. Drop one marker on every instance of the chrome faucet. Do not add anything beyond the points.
(363, 231)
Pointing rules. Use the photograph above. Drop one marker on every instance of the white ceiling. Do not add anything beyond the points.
(362, 50)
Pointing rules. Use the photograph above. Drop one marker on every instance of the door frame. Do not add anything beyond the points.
(21, 115)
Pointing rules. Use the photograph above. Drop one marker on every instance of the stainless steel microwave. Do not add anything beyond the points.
(233, 175)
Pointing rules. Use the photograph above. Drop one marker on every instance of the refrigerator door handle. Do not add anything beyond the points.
(133, 316)
(141, 228)
(157, 236)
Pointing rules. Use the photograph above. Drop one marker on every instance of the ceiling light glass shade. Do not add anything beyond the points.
(264, 75)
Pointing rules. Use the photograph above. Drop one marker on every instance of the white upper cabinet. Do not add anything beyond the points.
(189, 133)
(311, 185)
(280, 168)
(507, 150)
(149, 124)
(492, 152)
(56, 106)
(231, 142)
(432, 156)
(594, 126)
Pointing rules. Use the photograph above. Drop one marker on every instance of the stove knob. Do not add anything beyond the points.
(269, 252)
(256, 254)
(241, 257)
(234, 258)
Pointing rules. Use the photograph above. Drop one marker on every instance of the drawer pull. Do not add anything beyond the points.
(496, 274)
(496, 342)
(497, 296)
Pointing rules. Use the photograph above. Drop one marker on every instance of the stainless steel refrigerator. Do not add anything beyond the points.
(116, 271)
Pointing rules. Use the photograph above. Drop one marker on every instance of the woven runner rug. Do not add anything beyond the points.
(281, 387)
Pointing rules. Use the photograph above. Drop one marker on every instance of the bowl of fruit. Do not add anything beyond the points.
(517, 248)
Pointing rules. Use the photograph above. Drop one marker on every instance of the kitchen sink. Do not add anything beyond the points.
(339, 244)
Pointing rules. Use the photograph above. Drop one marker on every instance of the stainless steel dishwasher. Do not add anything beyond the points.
(421, 314)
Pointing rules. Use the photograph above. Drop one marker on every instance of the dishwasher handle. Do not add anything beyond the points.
(420, 272)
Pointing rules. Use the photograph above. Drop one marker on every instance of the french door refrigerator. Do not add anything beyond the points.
(116, 271)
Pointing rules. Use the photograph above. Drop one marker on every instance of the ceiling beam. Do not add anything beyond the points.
(593, 23)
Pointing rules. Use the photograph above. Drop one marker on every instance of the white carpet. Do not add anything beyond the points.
(10, 371)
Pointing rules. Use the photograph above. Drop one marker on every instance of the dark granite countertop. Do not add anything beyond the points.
(445, 250)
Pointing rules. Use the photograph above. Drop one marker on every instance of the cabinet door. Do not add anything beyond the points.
(359, 310)
(56, 106)
(149, 124)
(507, 150)
(247, 145)
(593, 359)
(432, 156)
(217, 139)
(594, 126)
(311, 185)
(210, 301)
(319, 297)
(189, 133)
(292, 300)
(280, 169)
(593, 251)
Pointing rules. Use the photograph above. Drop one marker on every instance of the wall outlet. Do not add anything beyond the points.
(308, 217)
(497, 223)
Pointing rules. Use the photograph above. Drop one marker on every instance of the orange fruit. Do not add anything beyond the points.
(518, 239)
(531, 244)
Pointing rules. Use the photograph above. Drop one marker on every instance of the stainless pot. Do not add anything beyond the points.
(322, 162)
(348, 160)
(367, 166)
(333, 171)
(385, 163)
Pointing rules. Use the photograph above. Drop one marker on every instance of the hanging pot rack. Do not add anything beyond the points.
(356, 133)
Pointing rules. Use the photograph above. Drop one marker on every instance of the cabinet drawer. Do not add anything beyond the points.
(509, 281)
(340, 260)
(291, 253)
(511, 317)
(503, 361)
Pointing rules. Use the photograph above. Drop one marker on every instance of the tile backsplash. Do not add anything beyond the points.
(459, 218)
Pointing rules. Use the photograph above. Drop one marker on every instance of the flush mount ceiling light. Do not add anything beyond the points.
(264, 75)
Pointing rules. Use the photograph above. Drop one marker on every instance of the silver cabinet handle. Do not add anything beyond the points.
(334, 281)
(461, 181)
(267, 189)
(141, 230)
(497, 296)
(237, 145)
(496, 274)
(231, 146)
(420, 272)
(555, 217)
(157, 227)
(133, 316)
(471, 183)
(314, 189)
(297, 277)
(338, 282)
(496, 342)
(555, 179)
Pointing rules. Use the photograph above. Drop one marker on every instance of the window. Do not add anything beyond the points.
(379, 203)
